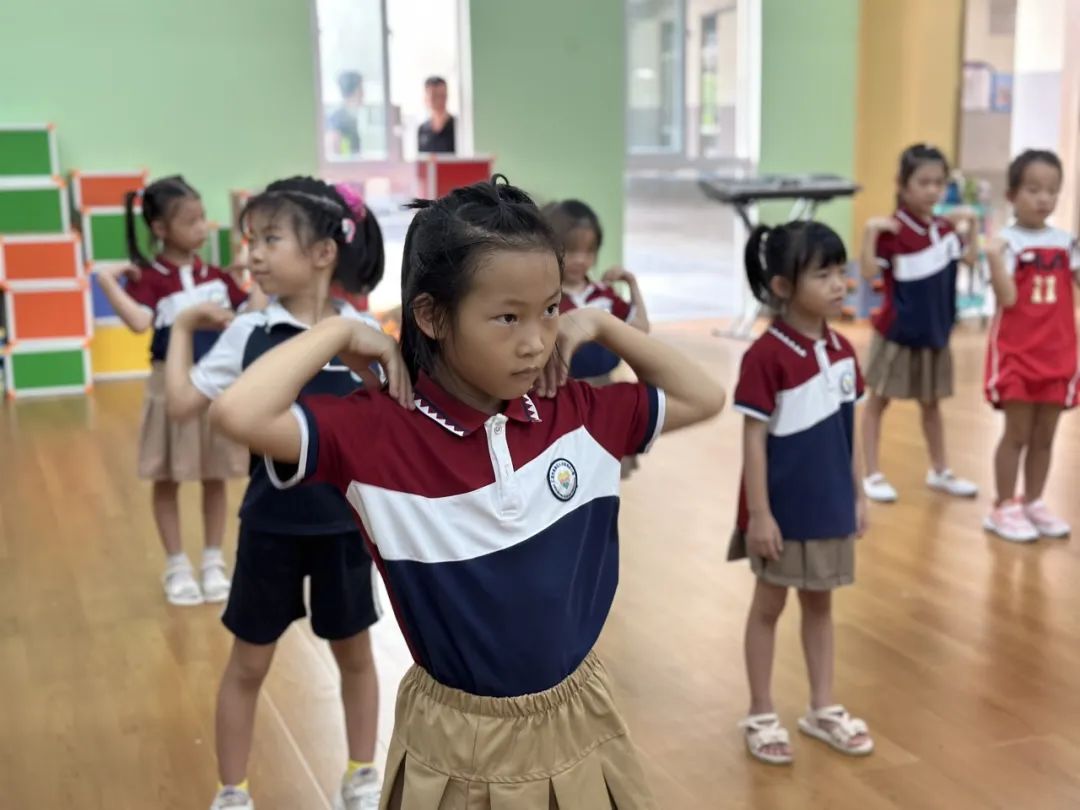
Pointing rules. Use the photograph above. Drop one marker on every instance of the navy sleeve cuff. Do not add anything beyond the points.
(655, 424)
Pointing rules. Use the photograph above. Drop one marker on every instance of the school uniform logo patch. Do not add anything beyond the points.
(847, 384)
(562, 478)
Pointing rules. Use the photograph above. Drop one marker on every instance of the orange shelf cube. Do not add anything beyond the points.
(104, 189)
(40, 258)
(35, 314)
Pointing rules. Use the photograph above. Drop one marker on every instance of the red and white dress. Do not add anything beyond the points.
(1032, 355)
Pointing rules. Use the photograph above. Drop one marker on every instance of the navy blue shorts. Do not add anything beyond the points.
(268, 585)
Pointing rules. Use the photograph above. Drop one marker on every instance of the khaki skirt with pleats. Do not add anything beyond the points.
(566, 748)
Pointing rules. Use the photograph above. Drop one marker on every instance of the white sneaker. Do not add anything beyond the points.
(1009, 522)
(360, 791)
(878, 489)
(1046, 522)
(232, 798)
(180, 585)
(215, 581)
(947, 482)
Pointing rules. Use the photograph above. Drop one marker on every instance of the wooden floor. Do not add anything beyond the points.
(961, 651)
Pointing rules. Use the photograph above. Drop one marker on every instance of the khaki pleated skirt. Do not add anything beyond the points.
(808, 565)
(183, 451)
(903, 372)
(563, 749)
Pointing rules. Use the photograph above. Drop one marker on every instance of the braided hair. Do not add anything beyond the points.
(318, 211)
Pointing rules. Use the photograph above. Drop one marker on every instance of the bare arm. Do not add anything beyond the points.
(255, 411)
(966, 222)
(868, 263)
(637, 300)
(135, 316)
(762, 535)
(692, 395)
(182, 399)
(857, 478)
(1004, 285)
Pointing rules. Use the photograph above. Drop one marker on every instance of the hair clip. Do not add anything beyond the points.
(348, 227)
(761, 250)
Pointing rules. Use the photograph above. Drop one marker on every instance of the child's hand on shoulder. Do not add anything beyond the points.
(879, 225)
(363, 345)
(121, 271)
(576, 328)
(206, 316)
(763, 537)
(615, 274)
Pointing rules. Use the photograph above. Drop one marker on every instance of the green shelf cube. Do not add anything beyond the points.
(105, 235)
(46, 370)
(220, 244)
(33, 205)
(28, 151)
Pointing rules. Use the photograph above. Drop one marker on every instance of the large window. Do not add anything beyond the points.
(684, 63)
(353, 79)
(654, 107)
(373, 59)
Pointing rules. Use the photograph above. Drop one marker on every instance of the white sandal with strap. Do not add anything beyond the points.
(180, 585)
(841, 729)
(763, 731)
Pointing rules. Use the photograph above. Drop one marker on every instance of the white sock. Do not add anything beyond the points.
(176, 560)
(213, 558)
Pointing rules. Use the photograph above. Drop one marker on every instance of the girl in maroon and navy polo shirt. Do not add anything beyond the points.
(916, 254)
(157, 290)
(488, 496)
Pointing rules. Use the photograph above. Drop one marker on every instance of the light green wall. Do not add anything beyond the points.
(809, 62)
(548, 101)
(222, 91)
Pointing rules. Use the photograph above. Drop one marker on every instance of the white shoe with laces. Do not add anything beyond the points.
(1009, 522)
(877, 488)
(1046, 522)
(232, 798)
(945, 481)
(180, 585)
(360, 791)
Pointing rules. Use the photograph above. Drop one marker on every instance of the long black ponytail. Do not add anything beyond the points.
(157, 201)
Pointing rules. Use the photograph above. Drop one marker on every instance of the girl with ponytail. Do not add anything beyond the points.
(302, 238)
(156, 291)
(486, 487)
(800, 506)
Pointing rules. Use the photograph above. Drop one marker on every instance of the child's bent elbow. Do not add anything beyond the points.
(225, 419)
(715, 401)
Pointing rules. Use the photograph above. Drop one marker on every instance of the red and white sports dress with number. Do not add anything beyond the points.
(1032, 356)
